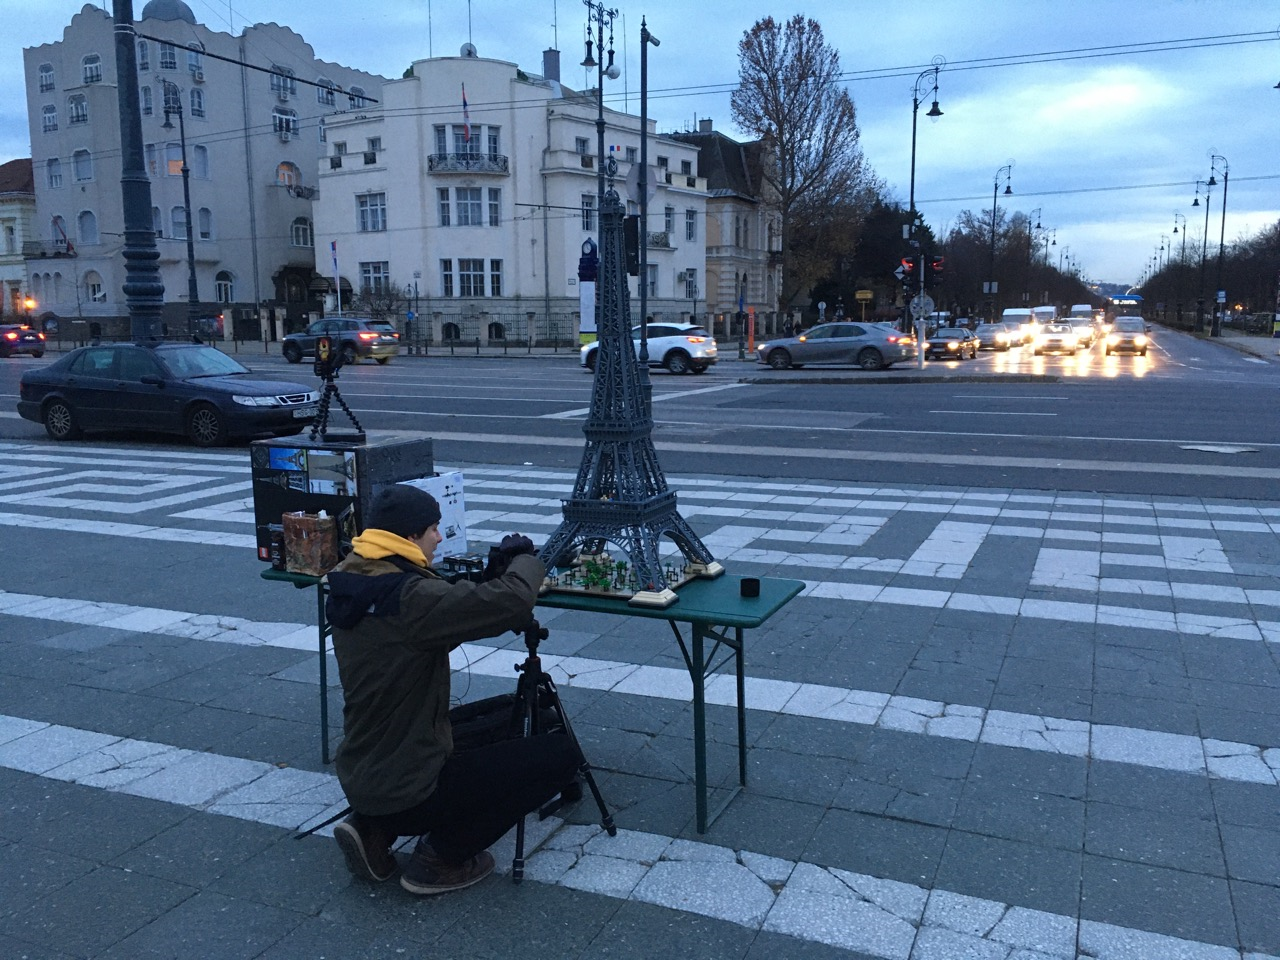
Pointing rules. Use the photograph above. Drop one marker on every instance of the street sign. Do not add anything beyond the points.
(865, 294)
(921, 305)
(632, 183)
(900, 273)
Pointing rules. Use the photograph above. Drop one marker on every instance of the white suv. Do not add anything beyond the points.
(680, 347)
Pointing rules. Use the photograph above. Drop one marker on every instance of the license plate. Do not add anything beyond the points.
(302, 412)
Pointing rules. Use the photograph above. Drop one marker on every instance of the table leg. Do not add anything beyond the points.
(698, 675)
(742, 710)
(322, 626)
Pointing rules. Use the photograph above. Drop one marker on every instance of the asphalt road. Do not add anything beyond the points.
(1192, 417)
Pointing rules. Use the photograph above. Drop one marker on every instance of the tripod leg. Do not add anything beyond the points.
(584, 771)
(526, 693)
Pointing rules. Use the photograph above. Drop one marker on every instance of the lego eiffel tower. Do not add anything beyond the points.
(620, 496)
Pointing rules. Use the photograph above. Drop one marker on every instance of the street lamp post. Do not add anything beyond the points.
(1218, 162)
(1005, 173)
(172, 105)
(1199, 327)
(29, 304)
(646, 38)
(929, 80)
(1182, 259)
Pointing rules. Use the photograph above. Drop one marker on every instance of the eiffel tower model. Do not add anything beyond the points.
(620, 496)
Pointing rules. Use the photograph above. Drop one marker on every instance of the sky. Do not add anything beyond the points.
(1109, 111)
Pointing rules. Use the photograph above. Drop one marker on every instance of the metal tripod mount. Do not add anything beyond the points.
(535, 688)
(328, 362)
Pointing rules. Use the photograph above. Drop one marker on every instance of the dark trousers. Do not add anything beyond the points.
(481, 793)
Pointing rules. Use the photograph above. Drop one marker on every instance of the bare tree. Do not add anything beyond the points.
(789, 95)
(385, 301)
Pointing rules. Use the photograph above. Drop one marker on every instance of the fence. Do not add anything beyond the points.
(512, 332)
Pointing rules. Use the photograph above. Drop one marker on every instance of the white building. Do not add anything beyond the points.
(253, 137)
(475, 220)
(17, 217)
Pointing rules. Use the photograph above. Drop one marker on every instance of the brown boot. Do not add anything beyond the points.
(427, 874)
(367, 848)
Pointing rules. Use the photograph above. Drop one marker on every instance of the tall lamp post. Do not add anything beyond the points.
(926, 85)
(646, 38)
(172, 105)
(29, 304)
(1199, 327)
(1182, 259)
(1218, 163)
(1005, 174)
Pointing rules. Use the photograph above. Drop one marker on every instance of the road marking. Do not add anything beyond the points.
(997, 413)
(657, 398)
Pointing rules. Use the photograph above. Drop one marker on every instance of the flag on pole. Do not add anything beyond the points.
(466, 116)
(337, 283)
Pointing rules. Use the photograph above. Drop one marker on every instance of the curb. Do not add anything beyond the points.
(872, 379)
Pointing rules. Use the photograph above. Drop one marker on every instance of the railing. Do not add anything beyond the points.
(466, 163)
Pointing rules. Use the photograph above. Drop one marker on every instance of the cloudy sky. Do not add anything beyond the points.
(1109, 109)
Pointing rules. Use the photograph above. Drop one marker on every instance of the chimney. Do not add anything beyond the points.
(551, 65)
(704, 126)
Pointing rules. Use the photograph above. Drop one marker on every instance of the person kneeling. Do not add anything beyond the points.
(394, 623)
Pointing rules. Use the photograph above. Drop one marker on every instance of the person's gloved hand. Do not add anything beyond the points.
(500, 557)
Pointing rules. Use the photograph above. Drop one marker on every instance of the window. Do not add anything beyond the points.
(662, 165)
(87, 227)
(372, 209)
(446, 278)
(10, 239)
(691, 283)
(669, 221)
(283, 83)
(48, 118)
(324, 92)
(147, 101)
(224, 287)
(204, 223)
(468, 200)
(581, 146)
(144, 56)
(300, 234)
(632, 155)
(168, 57)
(495, 278)
(77, 109)
(92, 67)
(46, 78)
(197, 103)
(442, 139)
(322, 130)
(284, 122)
(288, 174)
(173, 159)
(93, 290)
(171, 96)
(686, 167)
(58, 233)
(737, 231)
(373, 144)
(470, 278)
(355, 97)
(157, 225)
(442, 199)
(199, 162)
(53, 173)
(653, 279)
(340, 148)
(495, 207)
(82, 165)
(746, 232)
(178, 223)
(195, 59)
(375, 277)
(588, 211)
(462, 143)
(493, 141)
(691, 224)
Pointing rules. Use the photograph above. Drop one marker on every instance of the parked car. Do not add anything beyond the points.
(180, 388)
(19, 338)
(1057, 338)
(871, 346)
(994, 336)
(952, 343)
(353, 337)
(1129, 334)
(680, 347)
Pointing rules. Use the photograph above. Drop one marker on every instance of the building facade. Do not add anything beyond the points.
(466, 196)
(252, 136)
(17, 220)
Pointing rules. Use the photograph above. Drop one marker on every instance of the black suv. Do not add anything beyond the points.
(354, 337)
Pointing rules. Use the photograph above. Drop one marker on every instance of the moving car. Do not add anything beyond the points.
(1020, 319)
(180, 388)
(952, 343)
(995, 336)
(680, 347)
(871, 346)
(353, 337)
(1057, 338)
(1129, 334)
(19, 338)
(1086, 333)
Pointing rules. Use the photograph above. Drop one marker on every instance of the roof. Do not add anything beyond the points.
(726, 164)
(15, 176)
(167, 10)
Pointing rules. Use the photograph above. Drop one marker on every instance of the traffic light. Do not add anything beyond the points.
(936, 273)
(908, 269)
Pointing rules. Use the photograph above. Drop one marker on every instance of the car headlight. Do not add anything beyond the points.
(1112, 339)
(953, 344)
(1140, 340)
(257, 401)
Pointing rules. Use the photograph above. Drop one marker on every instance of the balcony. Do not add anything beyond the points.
(660, 241)
(467, 163)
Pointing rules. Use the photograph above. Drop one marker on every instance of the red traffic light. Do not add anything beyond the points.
(937, 263)
(908, 264)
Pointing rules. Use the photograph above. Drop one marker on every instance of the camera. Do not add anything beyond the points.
(462, 566)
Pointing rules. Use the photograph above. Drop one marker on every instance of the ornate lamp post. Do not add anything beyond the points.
(1199, 327)
(1218, 164)
(1005, 174)
(646, 38)
(926, 84)
(172, 105)
(1182, 259)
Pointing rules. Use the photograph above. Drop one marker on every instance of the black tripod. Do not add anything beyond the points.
(535, 688)
(326, 368)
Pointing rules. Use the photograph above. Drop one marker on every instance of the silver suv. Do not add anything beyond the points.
(353, 337)
(680, 347)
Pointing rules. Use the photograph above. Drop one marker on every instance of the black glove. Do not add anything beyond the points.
(500, 557)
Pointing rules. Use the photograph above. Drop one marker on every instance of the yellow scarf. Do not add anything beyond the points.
(375, 544)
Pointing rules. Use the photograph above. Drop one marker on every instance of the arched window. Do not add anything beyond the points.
(284, 122)
(82, 165)
(77, 109)
(204, 223)
(57, 287)
(58, 233)
(199, 157)
(178, 223)
(450, 331)
(355, 96)
(94, 291)
(300, 234)
(145, 98)
(144, 56)
(87, 227)
(497, 331)
(92, 65)
(197, 103)
(53, 173)
(224, 287)
(283, 83)
(46, 77)
(288, 174)
(324, 91)
(195, 58)
(48, 118)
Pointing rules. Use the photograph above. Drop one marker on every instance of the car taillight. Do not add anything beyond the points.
(395, 336)
(11, 335)
(368, 336)
(696, 339)
(40, 335)
(893, 339)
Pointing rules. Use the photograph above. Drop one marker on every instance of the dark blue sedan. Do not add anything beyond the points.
(180, 388)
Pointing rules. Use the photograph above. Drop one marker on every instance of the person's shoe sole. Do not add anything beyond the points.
(353, 849)
(432, 889)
